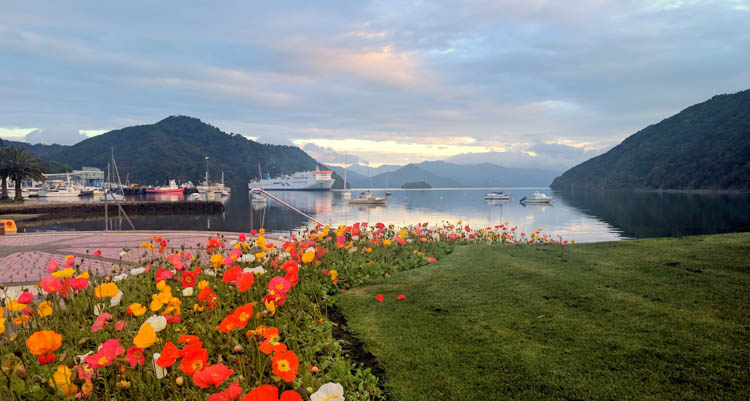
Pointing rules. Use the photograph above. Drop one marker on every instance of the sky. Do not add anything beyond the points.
(535, 83)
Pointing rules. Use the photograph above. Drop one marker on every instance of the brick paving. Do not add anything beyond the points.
(24, 257)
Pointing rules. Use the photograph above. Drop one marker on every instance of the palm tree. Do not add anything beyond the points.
(22, 166)
(4, 171)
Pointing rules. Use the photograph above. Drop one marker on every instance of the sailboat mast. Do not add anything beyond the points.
(345, 157)
(114, 165)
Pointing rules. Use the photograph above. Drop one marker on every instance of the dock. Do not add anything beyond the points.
(42, 210)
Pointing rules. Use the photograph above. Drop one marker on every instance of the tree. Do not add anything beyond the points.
(23, 165)
(4, 171)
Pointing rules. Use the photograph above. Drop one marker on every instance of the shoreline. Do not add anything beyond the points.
(37, 211)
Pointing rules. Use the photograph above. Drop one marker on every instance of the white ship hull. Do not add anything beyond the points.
(300, 181)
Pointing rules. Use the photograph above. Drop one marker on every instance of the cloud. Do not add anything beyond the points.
(328, 155)
(57, 135)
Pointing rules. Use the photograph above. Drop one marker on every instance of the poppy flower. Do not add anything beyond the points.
(329, 392)
(188, 277)
(51, 284)
(136, 309)
(214, 374)
(229, 323)
(243, 314)
(401, 298)
(231, 274)
(146, 337)
(26, 298)
(379, 298)
(246, 281)
(194, 358)
(169, 355)
(231, 393)
(101, 322)
(110, 350)
(106, 290)
(188, 339)
(61, 379)
(268, 392)
(430, 259)
(135, 356)
(43, 342)
(308, 257)
(79, 283)
(279, 284)
(163, 274)
(285, 365)
(44, 309)
(97, 253)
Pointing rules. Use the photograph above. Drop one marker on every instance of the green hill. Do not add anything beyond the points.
(176, 147)
(706, 146)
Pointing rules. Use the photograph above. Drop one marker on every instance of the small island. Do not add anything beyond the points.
(416, 185)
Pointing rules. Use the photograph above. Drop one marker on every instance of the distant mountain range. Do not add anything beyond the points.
(440, 174)
(706, 146)
(176, 147)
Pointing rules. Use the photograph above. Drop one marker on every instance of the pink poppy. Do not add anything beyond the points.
(242, 237)
(120, 325)
(431, 259)
(26, 298)
(51, 284)
(79, 283)
(97, 253)
(279, 284)
(101, 322)
(163, 274)
(70, 260)
(135, 356)
(52, 266)
(110, 350)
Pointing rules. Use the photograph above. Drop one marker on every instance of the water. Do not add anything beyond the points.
(584, 217)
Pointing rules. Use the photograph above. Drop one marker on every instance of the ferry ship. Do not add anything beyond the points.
(318, 180)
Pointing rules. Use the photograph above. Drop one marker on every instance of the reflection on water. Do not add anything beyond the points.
(585, 217)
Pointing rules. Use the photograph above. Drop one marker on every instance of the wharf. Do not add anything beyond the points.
(44, 210)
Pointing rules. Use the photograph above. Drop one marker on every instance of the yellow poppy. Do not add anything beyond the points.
(106, 290)
(62, 380)
(146, 337)
(44, 309)
(308, 257)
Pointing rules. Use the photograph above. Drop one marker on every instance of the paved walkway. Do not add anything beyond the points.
(24, 257)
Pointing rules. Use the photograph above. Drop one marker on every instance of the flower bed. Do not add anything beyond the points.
(242, 317)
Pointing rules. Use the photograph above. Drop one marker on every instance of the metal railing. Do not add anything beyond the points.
(288, 206)
(120, 212)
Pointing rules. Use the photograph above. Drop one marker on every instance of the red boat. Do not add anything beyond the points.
(172, 188)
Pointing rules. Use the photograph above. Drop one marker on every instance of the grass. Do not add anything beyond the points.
(655, 319)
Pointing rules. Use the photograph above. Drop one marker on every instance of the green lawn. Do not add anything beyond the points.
(647, 319)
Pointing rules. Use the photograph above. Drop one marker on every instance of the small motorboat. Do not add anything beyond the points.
(195, 196)
(538, 198)
(112, 196)
(171, 188)
(497, 196)
(366, 198)
(257, 199)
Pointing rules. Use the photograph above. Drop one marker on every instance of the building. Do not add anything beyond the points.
(85, 177)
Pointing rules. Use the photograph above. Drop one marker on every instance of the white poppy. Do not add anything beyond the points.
(120, 277)
(160, 372)
(210, 272)
(329, 392)
(114, 301)
(255, 270)
(249, 258)
(137, 271)
(123, 253)
(158, 323)
(99, 308)
(186, 292)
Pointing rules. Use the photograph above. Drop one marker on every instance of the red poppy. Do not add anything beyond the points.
(188, 277)
(214, 374)
(401, 298)
(188, 339)
(229, 394)
(194, 357)
(229, 323)
(292, 277)
(285, 364)
(243, 314)
(231, 274)
(206, 295)
(379, 298)
(169, 355)
(135, 356)
(268, 392)
(163, 274)
(97, 253)
(245, 282)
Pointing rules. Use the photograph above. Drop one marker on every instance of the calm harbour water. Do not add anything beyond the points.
(586, 217)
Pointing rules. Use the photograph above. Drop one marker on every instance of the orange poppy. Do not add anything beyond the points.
(285, 365)
(194, 358)
(43, 342)
(169, 355)
(268, 392)
(214, 374)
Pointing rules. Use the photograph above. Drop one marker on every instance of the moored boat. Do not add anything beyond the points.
(538, 198)
(497, 196)
(171, 188)
(317, 180)
(366, 198)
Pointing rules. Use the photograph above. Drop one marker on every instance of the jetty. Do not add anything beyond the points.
(31, 210)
